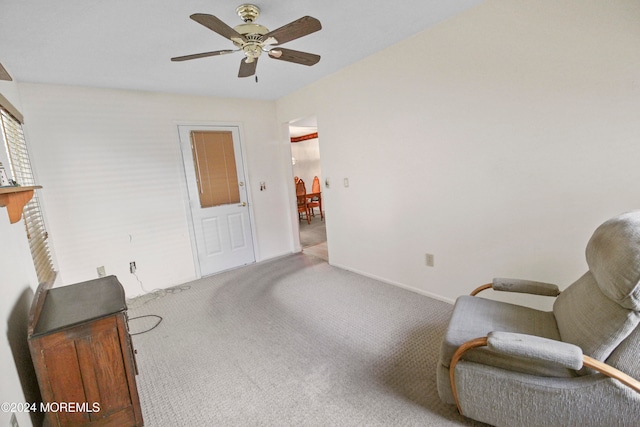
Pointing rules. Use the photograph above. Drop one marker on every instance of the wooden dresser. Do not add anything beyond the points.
(83, 356)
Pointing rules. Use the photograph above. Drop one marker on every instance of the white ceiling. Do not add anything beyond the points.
(128, 44)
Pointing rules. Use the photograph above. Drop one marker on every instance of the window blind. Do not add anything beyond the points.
(215, 164)
(20, 167)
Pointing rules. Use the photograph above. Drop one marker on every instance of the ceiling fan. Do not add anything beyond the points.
(4, 75)
(253, 39)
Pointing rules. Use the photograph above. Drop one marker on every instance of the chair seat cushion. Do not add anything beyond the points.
(475, 317)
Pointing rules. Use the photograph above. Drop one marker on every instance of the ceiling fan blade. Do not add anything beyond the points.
(293, 30)
(203, 55)
(298, 57)
(4, 75)
(215, 24)
(247, 68)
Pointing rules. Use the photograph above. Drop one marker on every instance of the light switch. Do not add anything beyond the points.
(346, 182)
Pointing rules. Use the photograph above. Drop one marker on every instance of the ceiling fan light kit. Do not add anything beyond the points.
(253, 39)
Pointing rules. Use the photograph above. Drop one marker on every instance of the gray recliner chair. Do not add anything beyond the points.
(578, 365)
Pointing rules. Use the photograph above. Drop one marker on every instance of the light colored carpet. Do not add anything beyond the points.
(290, 342)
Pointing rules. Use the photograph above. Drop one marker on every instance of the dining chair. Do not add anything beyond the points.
(316, 198)
(301, 197)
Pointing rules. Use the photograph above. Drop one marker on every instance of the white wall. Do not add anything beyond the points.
(497, 141)
(307, 155)
(17, 279)
(114, 190)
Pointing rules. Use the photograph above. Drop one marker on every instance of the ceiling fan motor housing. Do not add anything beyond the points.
(253, 33)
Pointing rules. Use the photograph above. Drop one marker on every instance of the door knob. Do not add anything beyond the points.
(243, 204)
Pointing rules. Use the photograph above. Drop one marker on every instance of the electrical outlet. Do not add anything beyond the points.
(13, 422)
(428, 260)
(101, 271)
(132, 267)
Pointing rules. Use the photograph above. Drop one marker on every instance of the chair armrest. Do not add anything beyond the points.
(545, 350)
(612, 372)
(536, 348)
(520, 286)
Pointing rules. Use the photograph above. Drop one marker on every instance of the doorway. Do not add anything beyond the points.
(305, 162)
(222, 236)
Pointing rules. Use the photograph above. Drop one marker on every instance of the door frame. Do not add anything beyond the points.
(295, 223)
(214, 126)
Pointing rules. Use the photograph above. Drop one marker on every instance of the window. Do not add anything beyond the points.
(20, 167)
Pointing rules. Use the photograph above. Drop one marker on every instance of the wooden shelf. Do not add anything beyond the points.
(14, 198)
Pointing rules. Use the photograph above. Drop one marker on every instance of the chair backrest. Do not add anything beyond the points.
(301, 190)
(315, 187)
(602, 308)
(625, 356)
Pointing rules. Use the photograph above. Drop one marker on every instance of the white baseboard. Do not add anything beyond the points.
(398, 284)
